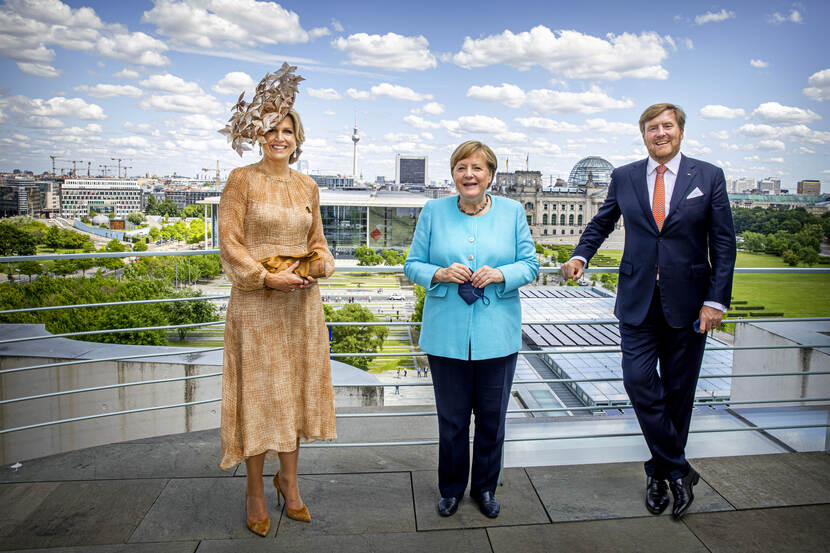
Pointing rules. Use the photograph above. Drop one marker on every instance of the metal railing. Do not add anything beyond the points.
(379, 269)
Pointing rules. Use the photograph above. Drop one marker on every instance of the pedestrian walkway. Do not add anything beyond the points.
(168, 495)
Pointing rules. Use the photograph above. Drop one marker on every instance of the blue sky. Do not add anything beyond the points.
(151, 82)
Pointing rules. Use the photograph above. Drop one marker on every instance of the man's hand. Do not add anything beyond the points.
(710, 318)
(572, 269)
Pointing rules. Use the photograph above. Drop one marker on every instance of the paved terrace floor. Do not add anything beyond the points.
(167, 495)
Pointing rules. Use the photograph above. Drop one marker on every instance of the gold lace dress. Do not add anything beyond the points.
(276, 377)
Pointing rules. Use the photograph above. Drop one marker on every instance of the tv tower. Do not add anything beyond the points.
(355, 139)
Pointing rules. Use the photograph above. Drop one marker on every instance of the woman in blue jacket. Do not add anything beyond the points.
(471, 252)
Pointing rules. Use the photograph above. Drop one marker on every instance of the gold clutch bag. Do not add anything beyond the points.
(307, 267)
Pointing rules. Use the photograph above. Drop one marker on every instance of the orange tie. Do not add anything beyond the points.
(658, 205)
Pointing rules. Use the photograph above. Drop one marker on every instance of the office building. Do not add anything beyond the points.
(22, 195)
(770, 186)
(118, 196)
(810, 187)
(411, 170)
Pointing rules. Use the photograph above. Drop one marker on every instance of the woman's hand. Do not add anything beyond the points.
(454, 273)
(286, 280)
(486, 275)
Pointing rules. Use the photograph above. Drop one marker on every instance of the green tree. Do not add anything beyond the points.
(63, 267)
(29, 268)
(564, 253)
(52, 238)
(790, 257)
(14, 241)
(355, 339)
(115, 245)
(136, 218)
(193, 210)
(189, 312)
(155, 234)
(150, 205)
(420, 296)
(808, 255)
(391, 257)
(140, 246)
(366, 256)
(754, 241)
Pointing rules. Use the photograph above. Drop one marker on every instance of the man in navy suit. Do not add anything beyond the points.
(675, 284)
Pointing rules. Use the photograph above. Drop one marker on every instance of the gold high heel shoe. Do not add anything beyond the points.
(261, 527)
(301, 514)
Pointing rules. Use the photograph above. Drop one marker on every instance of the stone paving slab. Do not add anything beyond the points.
(455, 541)
(175, 547)
(163, 459)
(780, 530)
(770, 480)
(333, 460)
(18, 501)
(631, 535)
(352, 504)
(519, 504)
(605, 491)
(201, 508)
(89, 513)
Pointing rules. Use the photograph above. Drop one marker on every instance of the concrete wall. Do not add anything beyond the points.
(48, 440)
(805, 361)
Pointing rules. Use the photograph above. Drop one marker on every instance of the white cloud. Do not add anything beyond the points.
(388, 90)
(720, 135)
(222, 23)
(38, 69)
(391, 51)
(508, 94)
(819, 88)
(776, 145)
(166, 82)
(234, 83)
(358, 94)
(197, 121)
(130, 141)
(696, 148)
(127, 74)
(759, 64)
(182, 103)
(329, 112)
(716, 111)
(612, 127)
(544, 124)
(800, 133)
(137, 48)
(689, 44)
(317, 32)
(475, 123)
(420, 122)
(58, 107)
(110, 90)
(142, 128)
(590, 101)
(793, 17)
(569, 53)
(324, 93)
(337, 26)
(432, 108)
(714, 17)
(777, 113)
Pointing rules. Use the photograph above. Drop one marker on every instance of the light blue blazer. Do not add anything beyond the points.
(501, 239)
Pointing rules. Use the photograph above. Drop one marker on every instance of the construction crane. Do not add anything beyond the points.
(119, 160)
(218, 177)
(74, 163)
(88, 168)
(105, 169)
(53, 158)
(125, 170)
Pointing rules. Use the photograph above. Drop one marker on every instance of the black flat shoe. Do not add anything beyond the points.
(681, 489)
(447, 506)
(487, 504)
(657, 495)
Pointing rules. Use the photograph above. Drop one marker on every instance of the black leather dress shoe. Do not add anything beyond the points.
(487, 503)
(681, 489)
(447, 506)
(657, 495)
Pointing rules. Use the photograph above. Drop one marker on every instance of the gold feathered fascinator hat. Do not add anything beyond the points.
(272, 100)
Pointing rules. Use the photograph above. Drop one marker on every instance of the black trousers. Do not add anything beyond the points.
(462, 388)
(662, 401)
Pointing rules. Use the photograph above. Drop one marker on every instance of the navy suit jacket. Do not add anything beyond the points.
(695, 249)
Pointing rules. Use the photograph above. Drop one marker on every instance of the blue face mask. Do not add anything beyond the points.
(471, 294)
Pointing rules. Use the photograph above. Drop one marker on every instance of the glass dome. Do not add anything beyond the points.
(599, 168)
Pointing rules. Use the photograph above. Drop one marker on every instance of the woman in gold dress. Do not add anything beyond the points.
(276, 383)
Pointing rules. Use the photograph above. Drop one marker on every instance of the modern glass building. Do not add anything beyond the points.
(351, 218)
(411, 170)
(599, 169)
